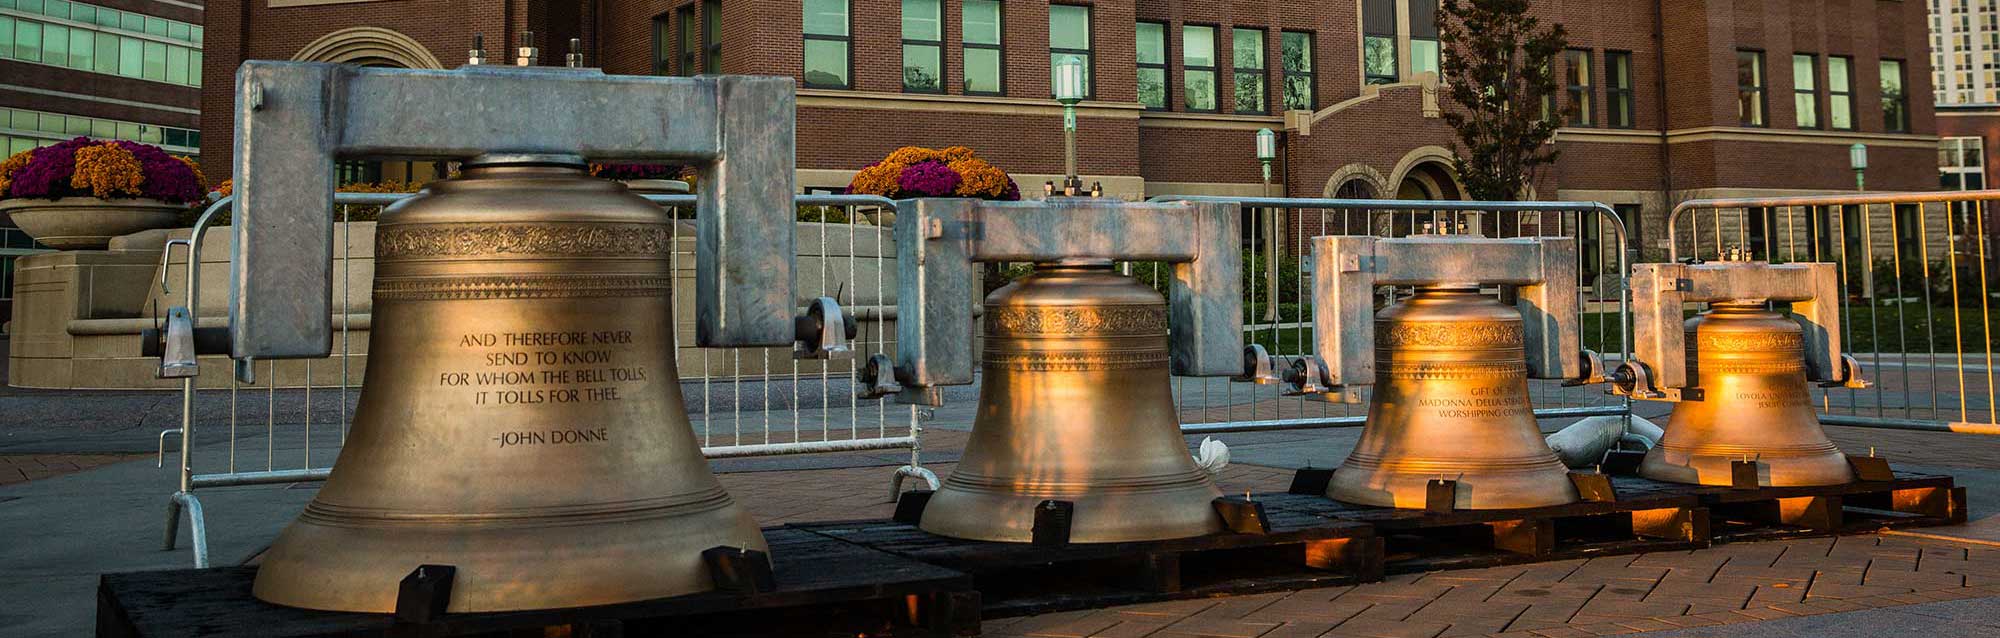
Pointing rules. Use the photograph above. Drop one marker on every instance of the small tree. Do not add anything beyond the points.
(1499, 70)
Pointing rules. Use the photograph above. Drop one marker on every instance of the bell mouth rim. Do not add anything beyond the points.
(505, 160)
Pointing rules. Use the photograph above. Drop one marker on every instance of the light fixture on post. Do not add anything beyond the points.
(1857, 159)
(1070, 89)
(1267, 151)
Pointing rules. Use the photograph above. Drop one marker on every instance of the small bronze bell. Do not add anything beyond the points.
(1750, 366)
(1451, 402)
(523, 421)
(1075, 407)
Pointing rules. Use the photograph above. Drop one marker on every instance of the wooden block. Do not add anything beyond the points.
(1441, 496)
(424, 594)
(910, 506)
(1242, 515)
(1871, 468)
(1743, 474)
(1819, 513)
(1923, 501)
(1958, 505)
(743, 571)
(1310, 481)
(1158, 572)
(1532, 536)
(1361, 557)
(1674, 523)
(953, 613)
(1593, 487)
(1622, 462)
(1052, 519)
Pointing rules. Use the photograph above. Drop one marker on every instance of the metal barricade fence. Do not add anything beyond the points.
(846, 251)
(1278, 304)
(1918, 293)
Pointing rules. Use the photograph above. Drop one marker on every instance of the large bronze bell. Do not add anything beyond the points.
(1451, 402)
(521, 419)
(1750, 366)
(1075, 407)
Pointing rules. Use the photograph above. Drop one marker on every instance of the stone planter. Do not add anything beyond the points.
(88, 223)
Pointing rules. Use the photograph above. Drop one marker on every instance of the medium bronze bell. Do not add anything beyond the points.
(522, 420)
(1451, 402)
(1075, 407)
(1750, 366)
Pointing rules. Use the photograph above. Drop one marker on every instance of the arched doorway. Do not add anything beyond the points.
(1428, 180)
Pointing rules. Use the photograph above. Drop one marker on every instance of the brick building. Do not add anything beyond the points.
(1746, 97)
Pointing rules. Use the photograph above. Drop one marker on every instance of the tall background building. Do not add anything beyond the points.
(106, 69)
(1744, 97)
(1965, 62)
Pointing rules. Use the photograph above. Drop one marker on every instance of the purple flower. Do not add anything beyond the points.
(928, 179)
(48, 171)
(167, 179)
(638, 171)
(1012, 192)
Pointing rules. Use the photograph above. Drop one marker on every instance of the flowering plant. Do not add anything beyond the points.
(914, 171)
(83, 167)
(637, 171)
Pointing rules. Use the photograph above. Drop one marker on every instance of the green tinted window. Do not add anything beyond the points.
(1069, 27)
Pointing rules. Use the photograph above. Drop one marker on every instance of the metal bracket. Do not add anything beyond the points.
(177, 352)
(877, 378)
(823, 331)
(1259, 366)
(1660, 290)
(294, 119)
(936, 286)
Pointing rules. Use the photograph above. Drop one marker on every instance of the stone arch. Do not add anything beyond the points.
(1358, 173)
(1429, 165)
(371, 46)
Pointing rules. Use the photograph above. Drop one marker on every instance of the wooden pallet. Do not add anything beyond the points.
(1637, 518)
(1017, 579)
(1910, 499)
(824, 587)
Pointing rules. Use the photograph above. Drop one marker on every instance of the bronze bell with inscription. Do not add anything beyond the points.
(1451, 402)
(1749, 363)
(521, 419)
(1075, 406)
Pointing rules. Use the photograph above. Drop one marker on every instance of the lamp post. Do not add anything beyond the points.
(1267, 151)
(1070, 89)
(1857, 159)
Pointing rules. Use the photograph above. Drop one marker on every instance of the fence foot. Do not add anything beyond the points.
(197, 525)
(907, 471)
(160, 460)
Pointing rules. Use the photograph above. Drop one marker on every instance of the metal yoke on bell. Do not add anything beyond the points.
(1075, 404)
(1738, 372)
(520, 418)
(1450, 364)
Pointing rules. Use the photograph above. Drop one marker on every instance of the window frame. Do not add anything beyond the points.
(711, 38)
(1760, 73)
(1811, 93)
(1395, 57)
(999, 49)
(1165, 66)
(1089, 55)
(1615, 94)
(1311, 73)
(1583, 114)
(1262, 72)
(1902, 99)
(1213, 69)
(663, 43)
(846, 41)
(1847, 62)
(937, 45)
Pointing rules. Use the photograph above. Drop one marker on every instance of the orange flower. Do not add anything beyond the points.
(225, 188)
(108, 170)
(878, 179)
(978, 178)
(908, 155)
(7, 168)
(952, 154)
(200, 180)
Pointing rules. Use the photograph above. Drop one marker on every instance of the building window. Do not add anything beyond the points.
(1378, 41)
(1895, 104)
(981, 42)
(1198, 62)
(1805, 87)
(686, 46)
(1152, 40)
(1840, 92)
(1961, 164)
(663, 44)
(1069, 36)
(1247, 46)
(1750, 88)
(97, 39)
(923, 46)
(711, 35)
(1618, 91)
(828, 41)
(1423, 36)
(1297, 49)
(1578, 80)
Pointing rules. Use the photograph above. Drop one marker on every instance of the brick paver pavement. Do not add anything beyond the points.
(21, 468)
